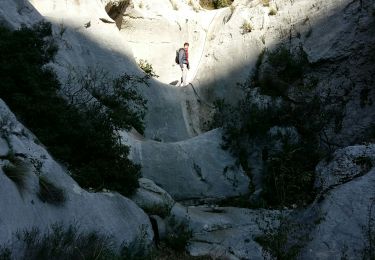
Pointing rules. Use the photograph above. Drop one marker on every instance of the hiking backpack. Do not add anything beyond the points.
(177, 59)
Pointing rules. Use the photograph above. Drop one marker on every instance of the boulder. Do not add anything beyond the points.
(152, 199)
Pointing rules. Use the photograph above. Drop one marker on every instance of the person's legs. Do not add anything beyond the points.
(184, 75)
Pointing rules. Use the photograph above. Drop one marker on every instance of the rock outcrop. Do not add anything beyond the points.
(23, 209)
(180, 160)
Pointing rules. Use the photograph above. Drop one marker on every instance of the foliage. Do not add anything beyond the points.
(62, 243)
(246, 27)
(119, 97)
(272, 11)
(83, 136)
(49, 192)
(137, 249)
(179, 236)
(266, 3)
(17, 172)
(147, 68)
(289, 160)
(222, 3)
(283, 240)
(70, 243)
(289, 175)
(364, 162)
(290, 66)
(5, 253)
(215, 4)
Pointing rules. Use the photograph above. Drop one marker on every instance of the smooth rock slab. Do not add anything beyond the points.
(224, 233)
(197, 168)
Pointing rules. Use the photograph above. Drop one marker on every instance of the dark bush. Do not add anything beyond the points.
(179, 236)
(288, 165)
(83, 137)
(61, 243)
(215, 4)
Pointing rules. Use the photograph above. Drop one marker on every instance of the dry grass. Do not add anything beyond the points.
(16, 171)
(266, 3)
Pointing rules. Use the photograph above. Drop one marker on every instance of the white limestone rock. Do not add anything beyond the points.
(197, 168)
(152, 198)
(223, 232)
(345, 216)
(21, 209)
(347, 163)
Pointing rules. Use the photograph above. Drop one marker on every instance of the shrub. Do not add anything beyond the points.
(246, 27)
(17, 172)
(62, 243)
(272, 11)
(5, 253)
(290, 66)
(215, 4)
(49, 192)
(83, 136)
(289, 175)
(207, 4)
(266, 3)
(222, 3)
(179, 236)
(288, 162)
(147, 68)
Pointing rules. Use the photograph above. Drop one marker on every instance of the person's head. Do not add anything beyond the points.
(186, 45)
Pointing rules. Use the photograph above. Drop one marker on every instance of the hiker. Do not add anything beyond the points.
(183, 60)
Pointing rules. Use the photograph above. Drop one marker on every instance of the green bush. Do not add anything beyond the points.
(215, 4)
(290, 66)
(266, 3)
(246, 27)
(84, 136)
(147, 68)
(272, 11)
(288, 164)
(179, 236)
(222, 3)
(289, 175)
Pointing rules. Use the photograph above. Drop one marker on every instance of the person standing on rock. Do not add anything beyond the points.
(183, 58)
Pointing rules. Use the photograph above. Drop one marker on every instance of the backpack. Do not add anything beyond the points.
(177, 59)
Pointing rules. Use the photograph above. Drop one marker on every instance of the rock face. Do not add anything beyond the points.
(195, 169)
(22, 209)
(179, 159)
(348, 163)
(345, 209)
(223, 232)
